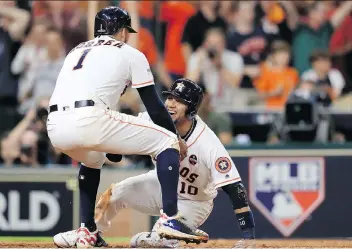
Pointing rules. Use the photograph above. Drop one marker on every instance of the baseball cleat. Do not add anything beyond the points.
(152, 240)
(68, 240)
(172, 228)
(245, 243)
(85, 238)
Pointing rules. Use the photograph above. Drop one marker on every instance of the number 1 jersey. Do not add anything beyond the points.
(101, 69)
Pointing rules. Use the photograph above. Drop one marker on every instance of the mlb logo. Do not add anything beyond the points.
(286, 190)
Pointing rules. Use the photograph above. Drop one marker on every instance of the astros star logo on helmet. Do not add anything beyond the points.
(180, 87)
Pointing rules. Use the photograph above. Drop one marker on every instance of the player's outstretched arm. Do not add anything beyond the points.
(155, 108)
(225, 176)
(143, 80)
(158, 113)
(238, 196)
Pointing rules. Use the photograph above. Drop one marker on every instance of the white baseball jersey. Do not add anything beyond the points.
(207, 167)
(102, 69)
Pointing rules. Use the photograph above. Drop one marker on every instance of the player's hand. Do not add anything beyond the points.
(183, 148)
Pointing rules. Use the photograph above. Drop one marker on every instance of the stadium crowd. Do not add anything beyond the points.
(245, 54)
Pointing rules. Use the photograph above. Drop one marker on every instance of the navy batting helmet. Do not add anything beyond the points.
(188, 92)
(111, 20)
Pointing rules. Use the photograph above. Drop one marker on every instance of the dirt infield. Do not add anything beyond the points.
(289, 243)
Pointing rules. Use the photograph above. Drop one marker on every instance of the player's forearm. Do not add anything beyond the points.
(155, 108)
(238, 196)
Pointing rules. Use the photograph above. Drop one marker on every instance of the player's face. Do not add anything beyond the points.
(176, 108)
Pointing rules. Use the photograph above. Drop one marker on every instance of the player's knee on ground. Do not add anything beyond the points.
(238, 195)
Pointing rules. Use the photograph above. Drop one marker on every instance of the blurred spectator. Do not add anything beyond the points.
(146, 44)
(29, 148)
(197, 26)
(176, 14)
(341, 40)
(316, 32)
(219, 69)
(145, 11)
(327, 80)
(225, 11)
(67, 17)
(218, 122)
(341, 48)
(277, 18)
(132, 8)
(28, 143)
(248, 39)
(20, 143)
(44, 79)
(14, 22)
(277, 79)
(31, 53)
(144, 40)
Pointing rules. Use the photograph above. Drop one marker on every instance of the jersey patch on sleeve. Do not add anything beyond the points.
(223, 165)
(192, 159)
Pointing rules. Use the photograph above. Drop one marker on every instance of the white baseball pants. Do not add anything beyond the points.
(86, 134)
(143, 193)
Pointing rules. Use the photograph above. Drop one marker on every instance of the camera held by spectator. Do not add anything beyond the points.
(212, 53)
(219, 69)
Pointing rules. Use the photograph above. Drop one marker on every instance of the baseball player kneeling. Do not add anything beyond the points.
(206, 168)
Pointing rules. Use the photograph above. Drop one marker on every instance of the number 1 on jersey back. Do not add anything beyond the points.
(81, 59)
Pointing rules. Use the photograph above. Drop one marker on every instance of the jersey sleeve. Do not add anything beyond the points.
(140, 71)
(222, 168)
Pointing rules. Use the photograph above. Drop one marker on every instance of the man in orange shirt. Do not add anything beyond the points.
(176, 14)
(277, 79)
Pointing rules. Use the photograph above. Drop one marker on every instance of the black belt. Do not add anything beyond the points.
(78, 104)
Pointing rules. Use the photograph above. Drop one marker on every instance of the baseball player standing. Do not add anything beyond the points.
(83, 121)
(207, 168)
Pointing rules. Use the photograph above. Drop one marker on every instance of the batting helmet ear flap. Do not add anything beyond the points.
(193, 110)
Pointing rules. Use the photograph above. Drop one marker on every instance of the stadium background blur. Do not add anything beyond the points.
(277, 77)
